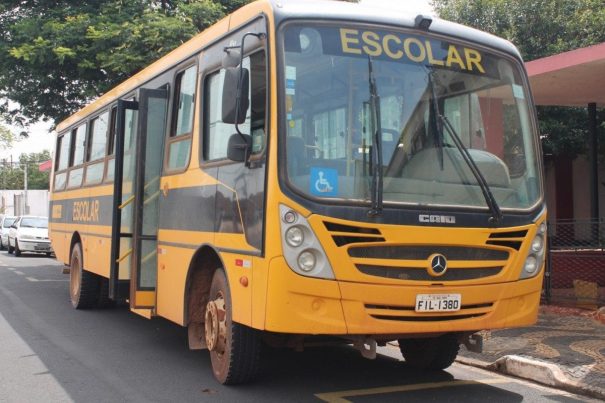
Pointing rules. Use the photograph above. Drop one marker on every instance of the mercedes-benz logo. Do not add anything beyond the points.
(438, 265)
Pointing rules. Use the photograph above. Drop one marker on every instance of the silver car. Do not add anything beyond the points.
(5, 222)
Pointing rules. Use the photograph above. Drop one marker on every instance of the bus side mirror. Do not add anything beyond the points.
(235, 87)
(238, 147)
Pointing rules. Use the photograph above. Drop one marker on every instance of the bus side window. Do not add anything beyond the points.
(76, 156)
(61, 161)
(130, 127)
(96, 148)
(111, 144)
(179, 143)
(216, 132)
(258, 101)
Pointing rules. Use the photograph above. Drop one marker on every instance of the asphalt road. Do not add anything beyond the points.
(50, 352)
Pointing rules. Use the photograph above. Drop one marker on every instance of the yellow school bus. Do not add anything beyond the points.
(305, 169)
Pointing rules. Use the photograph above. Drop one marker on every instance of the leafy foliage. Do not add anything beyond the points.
(57, 55)
(12, 175)
(7, 138)
(539, 28)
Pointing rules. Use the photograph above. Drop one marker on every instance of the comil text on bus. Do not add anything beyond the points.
(400, 47)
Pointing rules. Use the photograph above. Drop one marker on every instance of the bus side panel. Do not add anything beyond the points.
(61, 227)
(97, 250)
(173, 265)
(96, 240)
(239, 275)
(186, 221)
(57, 231)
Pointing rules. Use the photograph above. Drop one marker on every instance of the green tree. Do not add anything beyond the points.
(7, 138)
(539, 28)
(10, 177)
(12, 174)
(35, 178)
(57, 55)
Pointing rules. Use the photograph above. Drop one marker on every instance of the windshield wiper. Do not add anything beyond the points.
(437, 124)
(490, 200)
(376, 190)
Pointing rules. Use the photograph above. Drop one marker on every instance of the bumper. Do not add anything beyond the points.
(297, 304)
(34, 246)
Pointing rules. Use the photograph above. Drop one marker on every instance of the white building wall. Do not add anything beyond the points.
(37, 201)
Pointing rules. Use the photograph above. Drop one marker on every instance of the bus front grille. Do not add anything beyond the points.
(423, 252)
(348, 234)
(510, 239)
(421, 274)
(426, 318)
(408, 314)
(411, 262)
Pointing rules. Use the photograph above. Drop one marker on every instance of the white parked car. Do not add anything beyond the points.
(29, 234)
(5, 222)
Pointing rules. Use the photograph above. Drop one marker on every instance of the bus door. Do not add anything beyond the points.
(136, 197)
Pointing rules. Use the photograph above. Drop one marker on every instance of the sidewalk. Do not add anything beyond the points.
(565, 349)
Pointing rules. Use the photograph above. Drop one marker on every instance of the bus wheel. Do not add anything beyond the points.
(83, 285)
(435, 353)
(234, 348)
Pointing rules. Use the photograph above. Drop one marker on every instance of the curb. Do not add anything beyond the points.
(535, 371)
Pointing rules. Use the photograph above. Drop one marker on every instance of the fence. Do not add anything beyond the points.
(575, 269)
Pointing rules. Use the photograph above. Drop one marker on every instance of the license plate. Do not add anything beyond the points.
(438, 302)
(44, 248)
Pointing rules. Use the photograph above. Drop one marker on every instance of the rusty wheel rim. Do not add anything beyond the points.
(215, 325)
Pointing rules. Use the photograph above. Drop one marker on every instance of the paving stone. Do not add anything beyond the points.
(572, 339)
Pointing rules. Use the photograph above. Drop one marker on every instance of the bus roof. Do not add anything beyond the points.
(284, 10)
(364, 13)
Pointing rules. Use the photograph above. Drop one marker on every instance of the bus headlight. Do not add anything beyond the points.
(295, 236)
(535, 257)
(531, 264)
(537, 244)
(301, 248)
(306, 261)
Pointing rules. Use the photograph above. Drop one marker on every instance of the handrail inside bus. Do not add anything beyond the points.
(149, 256)
(151, 181)
(126, 203)
(124, 256)
(151, 198)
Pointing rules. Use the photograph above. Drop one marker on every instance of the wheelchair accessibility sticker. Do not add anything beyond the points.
(324, 182)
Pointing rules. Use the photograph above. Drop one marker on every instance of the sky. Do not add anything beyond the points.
(40, 137)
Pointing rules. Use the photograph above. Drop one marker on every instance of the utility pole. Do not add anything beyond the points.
(25, 204)
(25, 135)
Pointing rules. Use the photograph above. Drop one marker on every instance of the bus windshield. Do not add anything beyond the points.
(365, 103)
